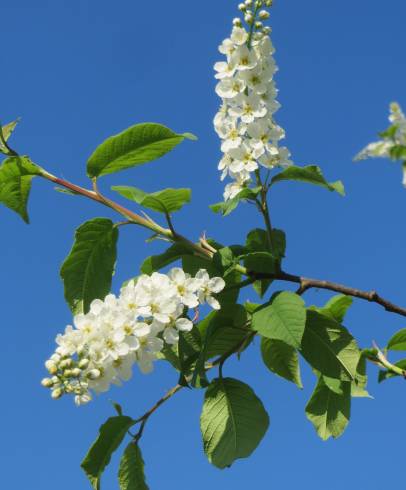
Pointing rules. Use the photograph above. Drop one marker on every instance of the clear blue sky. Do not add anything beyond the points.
(79, 71)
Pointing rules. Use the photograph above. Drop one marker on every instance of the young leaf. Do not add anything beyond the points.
(398, 341)
(359, 385)
(131, 472)
(6, 131)
(172, 254)
(282, 359)
(311, 175)
(165, 201)
(225, 208)
(16, 174)
(329, 411)
(257, 241)
(328, 347)
(337, 307)
(135, 146)
(283, 319)
(87, 271)
(261, 262)
(111, 434)
(384, 375)
(233, 421)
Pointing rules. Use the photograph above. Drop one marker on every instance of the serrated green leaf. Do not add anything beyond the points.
(329, 411)
(398, 341)
(131, 472)
(233, 421)
(328, 347)
(337, 307)
(6, 132)
(310, 174)
(284, 319)
(165, 201)
(282, 359)
(225, 208)
(111, 434)
(88, 270)
(261, 262)
(16, 174)
(135, 146)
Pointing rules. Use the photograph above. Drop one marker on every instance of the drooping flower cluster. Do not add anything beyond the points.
(118, 332)
(393, 142)
(250, 137)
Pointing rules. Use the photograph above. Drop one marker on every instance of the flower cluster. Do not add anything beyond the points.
(118, 332)
(393, 142)
(250, 137)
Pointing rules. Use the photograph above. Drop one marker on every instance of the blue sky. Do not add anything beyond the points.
(77, 72)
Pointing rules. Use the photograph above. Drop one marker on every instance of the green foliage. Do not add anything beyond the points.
(384, 375)
(336, 308)
(87, 271)
(135, 146)
(310, 174)
(233, 421)
(157, 262)
(284, 318)
(227, 207)
(282, 359)
(398, 341)
(329, 410)
(261, 262)
(5, 134)
(359, 385)
(111, 434)
(131, 472)
(398, 152)
(166, 201)
(16, 174)
(329, 348)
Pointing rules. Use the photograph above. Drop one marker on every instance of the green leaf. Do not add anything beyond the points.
(259, 262)
(359, 385)
(328, 347)
(131, 472)
(7, 130)
(233, 421)
(111, 434)
(225, 208)
(172, 254)
(224, 258)
(284, 319)
(384, 375)
(135, 146)
(282, 359)
(398, 341)
(165, 201)
(337, 307)
(16, 174)
(329, 411)
(398, 152)
(88, 270)
(310, 174)
(257, 241)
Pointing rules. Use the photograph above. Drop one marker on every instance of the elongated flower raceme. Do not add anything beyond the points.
(245, 123)
(118, 332)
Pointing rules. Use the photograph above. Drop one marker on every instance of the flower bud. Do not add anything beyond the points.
(83, 364)
(76, 372)
(56, 358)
(93, 374)
(237, 22)
(47, 383)
(248, 3)
(66, 363)
(242, 7)
(264, 14)
(259, 25)
(68, 373)
(51, 366)
(56, 393)
(268, 3)
(266, 30)
(249, 19)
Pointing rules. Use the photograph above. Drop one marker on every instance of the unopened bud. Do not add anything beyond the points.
(242, 7)
(83, 363)
(68, 373)
(66, 363)
(55, 357)
(266, 30)
(93, 374)
(264, 14)
(47, 382)
(76, 372)
(248, 3)
(51, 366)
(268, 3)
(249, 18)
(259, 25)
(57, 393)
(237, 22)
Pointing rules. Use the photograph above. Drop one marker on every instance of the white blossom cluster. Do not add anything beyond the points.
(250, 137)
(396, 136)
(104, 344)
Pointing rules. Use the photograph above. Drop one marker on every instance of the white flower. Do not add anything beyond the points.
(208, 287)
(224, 70)
(248, 108)
(243, 58)
(186, 287)
(230, 87)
